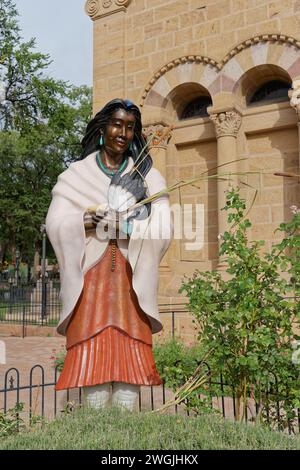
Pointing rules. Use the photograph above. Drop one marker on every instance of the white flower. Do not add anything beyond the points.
(2, 92)
(220, 236)
(294, 210)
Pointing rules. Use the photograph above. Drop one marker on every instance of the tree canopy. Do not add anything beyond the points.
(42, 122)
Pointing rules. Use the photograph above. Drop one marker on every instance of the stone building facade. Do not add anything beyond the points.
(227, 74)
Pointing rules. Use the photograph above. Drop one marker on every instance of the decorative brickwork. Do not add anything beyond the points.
(230, 69)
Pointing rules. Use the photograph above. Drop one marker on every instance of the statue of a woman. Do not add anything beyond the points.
(109, 277)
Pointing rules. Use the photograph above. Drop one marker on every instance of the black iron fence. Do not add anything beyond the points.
(35, 303)
(42, 401)
(38, 303)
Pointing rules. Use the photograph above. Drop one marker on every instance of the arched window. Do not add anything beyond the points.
(274, 90)
(196, 108)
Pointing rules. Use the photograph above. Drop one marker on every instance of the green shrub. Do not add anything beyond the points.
(249, 319)
(176, 364)
(11, 422)
(175, 361)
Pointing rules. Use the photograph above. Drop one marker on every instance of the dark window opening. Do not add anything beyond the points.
(197, 108)
(275, 90)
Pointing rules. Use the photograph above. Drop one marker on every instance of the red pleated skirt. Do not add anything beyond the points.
(109, 338)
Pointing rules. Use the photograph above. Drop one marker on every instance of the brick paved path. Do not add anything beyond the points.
(23, 353)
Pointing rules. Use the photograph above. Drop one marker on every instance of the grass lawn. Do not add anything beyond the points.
(112, 429)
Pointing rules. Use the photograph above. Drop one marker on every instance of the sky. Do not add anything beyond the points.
(63, 30)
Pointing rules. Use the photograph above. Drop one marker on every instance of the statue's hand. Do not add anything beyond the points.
(105, 217)
(99, 214)
(88, 221)
(102, 210)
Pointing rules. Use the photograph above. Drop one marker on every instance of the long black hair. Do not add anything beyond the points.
(90, 142)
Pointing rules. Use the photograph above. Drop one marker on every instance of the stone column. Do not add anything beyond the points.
(109, 51)
(159, 146)
(227, 125)
(294, 95)
(159, 157)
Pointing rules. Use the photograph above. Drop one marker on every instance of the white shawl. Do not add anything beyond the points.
(82, 185)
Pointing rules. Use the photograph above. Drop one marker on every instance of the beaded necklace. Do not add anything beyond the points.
(110, 174)
(105, 170)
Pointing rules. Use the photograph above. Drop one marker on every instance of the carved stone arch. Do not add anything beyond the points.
(262, 61)
(254, 78)
(217, 77)
(197, 70)
(259, 39)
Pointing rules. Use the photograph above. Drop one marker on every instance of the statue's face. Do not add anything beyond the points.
(119, 132)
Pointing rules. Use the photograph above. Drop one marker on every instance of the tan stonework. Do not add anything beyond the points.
(162, 54)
